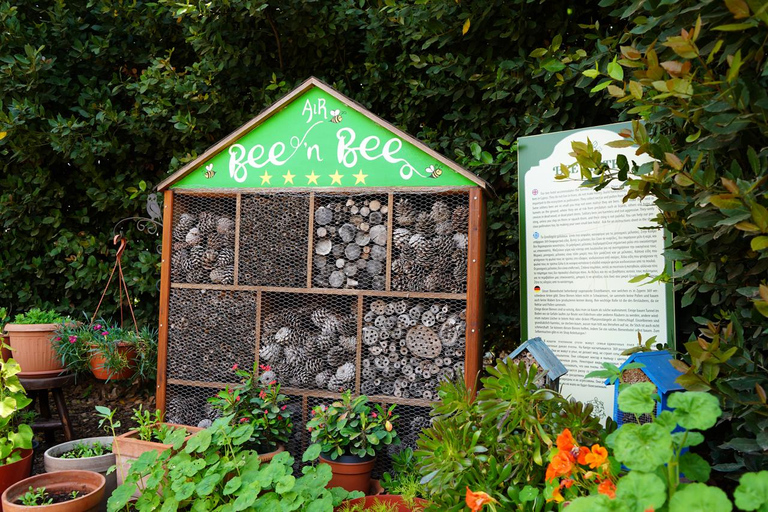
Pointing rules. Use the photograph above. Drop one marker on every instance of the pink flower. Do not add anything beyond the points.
(243, 420)
(273, 383)
(104, 333)
(283, 407)
(58, 338)
(374, 415)
(262, 395)
(97, 327)
(237, 399)
(72, 339)
(234, 366)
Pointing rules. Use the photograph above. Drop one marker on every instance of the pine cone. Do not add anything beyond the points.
(346, 373)
(460, 219)
(424, 224)
(336, 356)
(208, 260)
(440, 212)
(223, 275)
(270, 352)
(404, 212)
(206, 223)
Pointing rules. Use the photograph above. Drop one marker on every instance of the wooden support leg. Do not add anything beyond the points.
(58, 396)
(45, 414)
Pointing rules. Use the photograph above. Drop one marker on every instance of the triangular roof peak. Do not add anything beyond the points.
(315, 137)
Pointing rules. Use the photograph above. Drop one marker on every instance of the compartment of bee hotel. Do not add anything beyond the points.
(409, 345)
(429, 237)
(350, 242)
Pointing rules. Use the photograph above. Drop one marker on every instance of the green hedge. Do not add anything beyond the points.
(98, 96)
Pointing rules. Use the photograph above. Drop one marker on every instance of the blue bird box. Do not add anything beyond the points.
(545, 359)
(657, 370)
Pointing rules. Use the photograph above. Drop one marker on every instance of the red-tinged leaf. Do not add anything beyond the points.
(683, 180)
(725, 202)
(673, 161)
(465, 28)
(630, 53)
(679, 365)
(620, 143)
(760, 392)
(730, 185)
(616, 92)
(738, 8)
(747, 226)
(636, 89)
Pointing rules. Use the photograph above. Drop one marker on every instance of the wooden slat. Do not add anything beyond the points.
(400, 401)
(237, 237)
(390, 216)
(322, 190)
(323, 291)
(165, 297)
(475, 288)
(310, 238)
(359, 349)
(258, 328)
(202, 384)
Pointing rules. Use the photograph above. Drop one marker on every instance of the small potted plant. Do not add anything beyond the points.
(258, 402)
(152, 434)
(30, 340)
(347, 434)
(107, 351)
(60, 491)
(15, 436)
(91, 454)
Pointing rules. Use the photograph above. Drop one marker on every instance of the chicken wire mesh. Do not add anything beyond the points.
(209, 331)
(310, 341)
(188, 405)
(273, 240)
(429, 242)
(350, 241)
(409, 345)
(203, 250)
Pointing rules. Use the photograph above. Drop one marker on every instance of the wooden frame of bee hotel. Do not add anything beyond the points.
(326, 243)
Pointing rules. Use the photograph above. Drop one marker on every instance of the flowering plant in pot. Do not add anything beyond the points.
(15, 436)
(258, 402)
(347, 434)
(108, 351)
(30, 340)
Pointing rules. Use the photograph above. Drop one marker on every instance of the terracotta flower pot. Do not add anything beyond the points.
(32, 349)
(395, 502)
(97, 362)
(88, 484)
(350, 472)
(99, 464)
(15, 471)
(266, 457)
(128, 447)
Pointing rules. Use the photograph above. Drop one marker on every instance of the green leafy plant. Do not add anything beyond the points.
(405, 479)
(258, 402)
(4, 317)
(150, 427)
(77, 343)
(38, 316)
(496, 443)
(35, 497)
(14, 435)
(656, 455)
(213, 470)
(83, 450)
(351, 427)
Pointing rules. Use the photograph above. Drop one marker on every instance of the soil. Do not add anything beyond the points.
(59, 496)
(633, 376)
(81, 399)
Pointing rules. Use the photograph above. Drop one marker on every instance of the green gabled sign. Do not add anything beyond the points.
(318, 138)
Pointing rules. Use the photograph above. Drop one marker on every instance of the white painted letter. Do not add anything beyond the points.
(307, 108)
(344, 151)
(237, 170)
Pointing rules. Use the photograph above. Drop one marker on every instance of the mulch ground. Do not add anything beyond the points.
(81, 399)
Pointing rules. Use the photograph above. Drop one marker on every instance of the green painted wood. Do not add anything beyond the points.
(317, 141)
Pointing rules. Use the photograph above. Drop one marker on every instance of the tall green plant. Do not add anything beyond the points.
(13, 398)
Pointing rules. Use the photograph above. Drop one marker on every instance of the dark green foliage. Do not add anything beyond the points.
(498, 443)
(96, 97)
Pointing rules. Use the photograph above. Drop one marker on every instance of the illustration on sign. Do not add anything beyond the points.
(318, 141)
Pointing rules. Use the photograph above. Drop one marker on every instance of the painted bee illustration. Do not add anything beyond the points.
(336, 115)
(434, 172)
(209, 172)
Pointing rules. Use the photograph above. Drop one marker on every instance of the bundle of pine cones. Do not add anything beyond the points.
(203, 248)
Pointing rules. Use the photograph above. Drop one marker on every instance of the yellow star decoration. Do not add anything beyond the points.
(360, 177)
(288, 177)
(312, 178)
(336, 177)
(265, 178)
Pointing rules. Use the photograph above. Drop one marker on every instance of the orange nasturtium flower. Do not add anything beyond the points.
(583, 452)
(608, 488)
(561, 465)
(596, 457)
(476, 500)
(565, 441)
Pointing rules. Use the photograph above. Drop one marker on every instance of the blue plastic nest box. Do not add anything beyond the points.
(545, 359)
(660, 372)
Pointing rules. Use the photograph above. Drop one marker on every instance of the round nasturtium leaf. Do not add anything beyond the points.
(641, 491)
(700, 498)
(643, 447)
(597, 503)
(695, 409)
(694, 467)
(752, 492)
(638, 398)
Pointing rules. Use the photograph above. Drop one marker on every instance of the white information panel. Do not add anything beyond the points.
(579, 248)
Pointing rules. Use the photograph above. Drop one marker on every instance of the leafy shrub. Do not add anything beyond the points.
(213, 470)
(38, 316)
(497, 443)
(14, 434)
